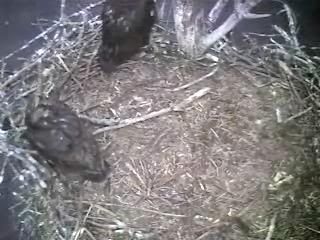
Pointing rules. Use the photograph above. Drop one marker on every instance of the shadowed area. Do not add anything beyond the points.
(307, 19)
(8, 230)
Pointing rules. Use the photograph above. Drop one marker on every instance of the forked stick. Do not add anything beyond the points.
(175, 108)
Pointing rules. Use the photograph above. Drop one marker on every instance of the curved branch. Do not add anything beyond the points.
(216, 10)
(242, 11)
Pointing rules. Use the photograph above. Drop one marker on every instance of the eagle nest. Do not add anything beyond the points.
(196, 147)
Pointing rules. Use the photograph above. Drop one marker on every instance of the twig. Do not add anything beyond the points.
(180, 106)
(204, 235)
(3, 167)
(65, 67)
(297, 115)
(26, 93)
(89, 234)
(292, 25)
(100, 207)
(12, 78)
(271, 227)
(62, 10)
(95, 52)
(215, 12)
(94, 106)
(242, 11)
(311, 229)
(131, 121)
(99, 121)
(51, 29)
(80, 39)
(2, 69)
(62, 22)
(195, 81)
(176, 108)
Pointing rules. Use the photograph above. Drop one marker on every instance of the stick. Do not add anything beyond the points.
(176, 108)
(98, 121)
(195, 81)
(271, 227)
(297, 115)
(12, 78)
(51, 29)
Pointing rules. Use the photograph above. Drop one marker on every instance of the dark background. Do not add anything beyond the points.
(18, 24)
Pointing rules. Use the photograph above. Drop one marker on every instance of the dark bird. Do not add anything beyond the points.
(6, 124)
(126, 27)
(64, 141)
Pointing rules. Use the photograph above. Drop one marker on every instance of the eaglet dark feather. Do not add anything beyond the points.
(126, 27)
(64, 141)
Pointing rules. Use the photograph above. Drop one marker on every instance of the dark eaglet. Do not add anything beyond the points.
(126, 27)
(64, 140)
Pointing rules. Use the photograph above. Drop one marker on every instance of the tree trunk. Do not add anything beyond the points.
(192, 28)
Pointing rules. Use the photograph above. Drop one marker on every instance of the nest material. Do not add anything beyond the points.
(179, 172)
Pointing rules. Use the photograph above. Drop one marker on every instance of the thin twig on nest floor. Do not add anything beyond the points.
(175, 108)
(195, 81)
(102, 207)
(298, 115)
(271, 227)
(98, 121)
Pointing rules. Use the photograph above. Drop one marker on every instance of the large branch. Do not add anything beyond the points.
(216, 10)
(193, 37)
(242, 11)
